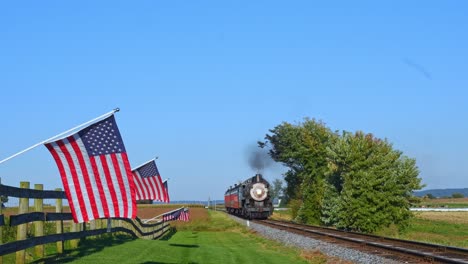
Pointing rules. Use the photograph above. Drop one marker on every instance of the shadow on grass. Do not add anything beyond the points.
(153, 262)
(87, 247)
(169, 234)
(184, 245)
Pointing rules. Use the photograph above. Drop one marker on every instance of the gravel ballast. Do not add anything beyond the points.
(291, 239)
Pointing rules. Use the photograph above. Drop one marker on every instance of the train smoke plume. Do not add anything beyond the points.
(259, 158)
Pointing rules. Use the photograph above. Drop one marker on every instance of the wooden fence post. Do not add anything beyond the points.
(92, 225)
(83, 228)
(22, 229)
(74, 228)
(59, 209)
(39, 225)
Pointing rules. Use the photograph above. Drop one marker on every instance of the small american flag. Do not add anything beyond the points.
(95, 172)
(148, 183)
(166, 192)
(184, 215)
(173, 215)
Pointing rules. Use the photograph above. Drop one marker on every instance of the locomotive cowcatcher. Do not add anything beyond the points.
(249, 199)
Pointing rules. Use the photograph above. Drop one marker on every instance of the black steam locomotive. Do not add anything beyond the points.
(249, 199)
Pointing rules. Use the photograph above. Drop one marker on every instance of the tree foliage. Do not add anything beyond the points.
(354, 181)
(276, 189)
(302, 149)
(373, 181)
(457, 195)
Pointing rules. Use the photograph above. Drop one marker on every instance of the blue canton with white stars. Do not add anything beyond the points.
(148, 170)
(102, 138)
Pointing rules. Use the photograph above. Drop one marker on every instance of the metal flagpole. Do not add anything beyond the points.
(44, 141)
(144, 163)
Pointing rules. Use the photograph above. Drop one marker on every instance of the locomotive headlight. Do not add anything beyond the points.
(258, 192)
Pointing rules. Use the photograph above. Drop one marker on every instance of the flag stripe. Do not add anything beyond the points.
(147, 189)
(77, 169)
(156, 182)
(104, 165)
(73, 178)
(151, 187)
(160, 189)
(108, 197)
(129, 185)
(137, 187)
(51, 147)
(104, 195)
(91, 182)
(123, 207)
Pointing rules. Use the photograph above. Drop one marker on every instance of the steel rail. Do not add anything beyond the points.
(423, 250)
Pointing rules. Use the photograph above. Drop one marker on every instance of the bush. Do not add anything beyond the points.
(294, 204)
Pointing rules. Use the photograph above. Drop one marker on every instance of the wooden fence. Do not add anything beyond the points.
(37, 217)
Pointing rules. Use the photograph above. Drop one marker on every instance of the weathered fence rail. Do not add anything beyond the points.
(37, 217)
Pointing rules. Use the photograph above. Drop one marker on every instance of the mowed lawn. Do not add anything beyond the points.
(214, 238)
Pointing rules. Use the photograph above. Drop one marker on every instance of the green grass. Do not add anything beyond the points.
(220, 240)
(432, 231)
(218, 222)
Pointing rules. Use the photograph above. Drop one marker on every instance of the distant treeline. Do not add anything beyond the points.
(442, 192)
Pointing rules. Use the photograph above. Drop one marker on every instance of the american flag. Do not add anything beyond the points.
(95, 172)
(184, 215)
(173, 215)
(148, 183)
(166, 192)
(181, 214)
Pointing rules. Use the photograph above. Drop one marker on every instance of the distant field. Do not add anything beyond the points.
(449, 203)
(448, 217)
(446, 228)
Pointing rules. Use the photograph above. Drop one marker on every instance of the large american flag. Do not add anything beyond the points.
(148, 183)
(95, 172)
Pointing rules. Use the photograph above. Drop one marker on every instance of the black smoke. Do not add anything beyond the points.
(258, 158)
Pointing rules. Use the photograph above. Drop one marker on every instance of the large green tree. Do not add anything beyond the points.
(302, 148)
(369, 184)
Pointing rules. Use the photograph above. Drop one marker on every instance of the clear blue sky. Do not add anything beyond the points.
(198, 82)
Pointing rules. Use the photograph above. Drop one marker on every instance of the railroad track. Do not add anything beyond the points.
(396, 249)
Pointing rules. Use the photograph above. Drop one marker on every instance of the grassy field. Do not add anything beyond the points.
(212, 238)
(445, 228)
(447, 203)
